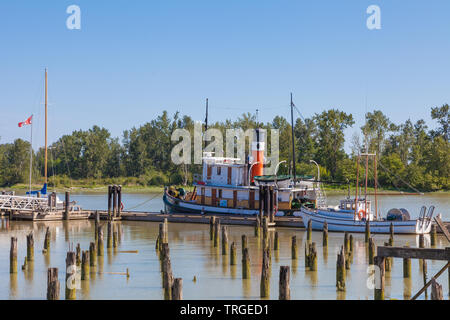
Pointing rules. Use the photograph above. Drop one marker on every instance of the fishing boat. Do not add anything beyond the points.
(352, 215)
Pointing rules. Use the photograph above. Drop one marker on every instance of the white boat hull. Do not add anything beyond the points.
(379, 226)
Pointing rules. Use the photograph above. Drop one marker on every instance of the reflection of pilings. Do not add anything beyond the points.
(284, 285)
(246, 264)
(294, 248)
(100, 248)
(13, 285)
(30, 246)
(71, 273)
(47, 241)
(265, 283)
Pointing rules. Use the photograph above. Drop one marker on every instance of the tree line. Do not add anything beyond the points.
(409, 155)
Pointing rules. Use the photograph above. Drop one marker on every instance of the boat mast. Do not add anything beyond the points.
(31, 150)
(375, 174)
(357, 186)
(45, 154)
(293, 140)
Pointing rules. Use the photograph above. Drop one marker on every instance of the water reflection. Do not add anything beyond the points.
(13, 285)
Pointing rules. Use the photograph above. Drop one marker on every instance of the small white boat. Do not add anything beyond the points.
(342, 223)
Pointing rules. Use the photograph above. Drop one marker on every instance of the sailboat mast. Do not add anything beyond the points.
(293, 140)
(31, 150)
(45, 154)
(376, 185)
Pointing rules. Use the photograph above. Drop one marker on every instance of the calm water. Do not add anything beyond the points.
(192, 254)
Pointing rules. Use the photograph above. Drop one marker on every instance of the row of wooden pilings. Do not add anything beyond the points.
(114, 201)
(79, 264)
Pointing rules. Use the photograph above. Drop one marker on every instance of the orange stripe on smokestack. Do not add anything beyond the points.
(258, 153)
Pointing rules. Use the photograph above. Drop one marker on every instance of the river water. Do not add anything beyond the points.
(192, 254)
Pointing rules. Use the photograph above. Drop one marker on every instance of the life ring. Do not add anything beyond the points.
(121, 206)
(363, 212)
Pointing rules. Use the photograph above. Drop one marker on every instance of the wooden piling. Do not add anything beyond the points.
(391, 235)
(46, 241)
(244, 243)
(96, 224)
(436, 290)
(294, 248)
(265, 232)
(109, 236)
(276, 242)
(309, 231)
(167, 277)
(433, 235)
(216, 233)
(387, 260)
(212, 221)
(246, 264)
(166, 230)
(224, 241)
(265, 284)
(372, 249)
(160, 237)
(352, 243)
(177, 289)
(53, 285)
(379, 288)
(67, 206)
(92, 255)
(115, 239)
(340, 270)
(346, 242)
(78, 256)
(71, 274)
(424, 275)
(312, 257)
(257, 226)
(109, 201)
(367, 231)
(233, 259)
(325, 234)
(407, 267)
(284, 283)
(100, 248)
(85, 265)
(13, 256)
(30, 246)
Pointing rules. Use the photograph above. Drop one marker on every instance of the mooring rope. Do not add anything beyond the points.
(148, 200)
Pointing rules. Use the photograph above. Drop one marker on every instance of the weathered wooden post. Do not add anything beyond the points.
(13, 256)
(379, 287)
(246, 264)
(233, 258)
(257, 226)
(346, 242)
(294, 248)
(325, 234)
(276, 242)
(46, 241)
(216, 233)
(30, 247)
(407, 267)
(387, 260)
(71, 276)
(119, 200)
(96, 224)
(244, 243)
(271, 204)
(100, 248)
(160, 237)
(265, 284)
(312, 257)
(436, 290)
(367, 231)
(67, 206)
(177, 289)
(109, 201)
(109, 236)
(424, 275)
(167, 276)
(224, 241)
(340, 271)
(53, 285)
(114, 191)
(265, 232)
(433, 235)
(212, 221)
(372, 249)
(92, 255)
(85, 265)
(351, 243)
(309, 230)
(284, 285)
(78, 255)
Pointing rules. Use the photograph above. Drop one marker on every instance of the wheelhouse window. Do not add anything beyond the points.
(220, 193)
(219, 170)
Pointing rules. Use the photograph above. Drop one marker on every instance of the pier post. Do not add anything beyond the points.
(177, 289)
(100, 248)
(367, 231)
(257, 226)
(96, 224)
(109, 236)
(352, 244)
(13, 256)
(160, 237)
(30, 247)
(340, 271)
(346, 243)
(424, 275)
(92, 255)
(109, 201)
(372, 249)
(166, 230)
(67, 206)
(53, 285)
(224, 241)
(114, 191)
(246, 264)
(379, 287)
(233, 254)
(119, 201)
(265, 284)
(71, 276)
(265, 232)
(78, 255)
(325, 234)
(276, 242)
(433, 235)
(391, 234)
(46, 241)
(312, 257)
(436, 290)
(85, 265)
(284, 285)
(388, 261)
(167, 276)
(212, 221)
(244, 243)
(309, 231)
(271, 204)
(294, 248)
(261, 205)
(216, 233)
(407, 267)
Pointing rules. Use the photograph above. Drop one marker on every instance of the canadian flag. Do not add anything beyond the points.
(28, 121)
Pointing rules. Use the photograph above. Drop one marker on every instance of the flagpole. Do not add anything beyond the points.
(31, 150)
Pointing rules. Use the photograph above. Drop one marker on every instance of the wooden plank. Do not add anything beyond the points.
(443, 227)
(414, 253)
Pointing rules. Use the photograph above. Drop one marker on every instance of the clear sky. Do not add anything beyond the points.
(133, 59)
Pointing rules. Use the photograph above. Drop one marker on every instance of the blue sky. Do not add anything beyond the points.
(133, 59)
